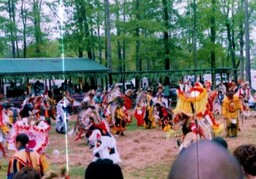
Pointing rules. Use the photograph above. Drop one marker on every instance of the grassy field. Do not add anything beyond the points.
(138, 150)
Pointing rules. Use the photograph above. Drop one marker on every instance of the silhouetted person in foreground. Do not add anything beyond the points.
(103, 168)
(27, 173)
(206, 160)
(221, 141)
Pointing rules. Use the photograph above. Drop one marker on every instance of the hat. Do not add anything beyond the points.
(31, 99)
(38, 98)
(129, 91)
(91, 92)
(207, 83)
(149, 89)
(160, 86)
(198, 85)
(230, 87)
(246, 83)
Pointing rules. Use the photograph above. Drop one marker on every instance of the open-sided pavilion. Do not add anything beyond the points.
(20, 70)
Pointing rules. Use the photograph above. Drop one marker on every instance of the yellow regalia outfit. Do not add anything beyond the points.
(120, 122)
(198, 98)
(149, 119)
(230, 110)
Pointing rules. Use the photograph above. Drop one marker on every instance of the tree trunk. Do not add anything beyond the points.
(137, 36)
(81, 29)
(247, 43)
(86, 31)
(194, 34)
(15, 29)
(108, 36)
(233, 48)
(37, 26)
(99, 38)
(241, 37)
(124, 42)
(213, 38)
(166, 36)
(92, 46)
(119, 54)
(11, 28)
(24, 14)
(80, 52)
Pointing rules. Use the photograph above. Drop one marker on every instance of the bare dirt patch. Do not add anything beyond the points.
(144, 153)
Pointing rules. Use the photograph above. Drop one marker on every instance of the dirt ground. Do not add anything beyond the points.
(144, 153)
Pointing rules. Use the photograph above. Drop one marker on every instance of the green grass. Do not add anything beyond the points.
(133, 126)
(3, 170)
(159, 171)
(77, 172)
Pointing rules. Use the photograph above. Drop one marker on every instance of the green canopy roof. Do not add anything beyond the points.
(49, 66)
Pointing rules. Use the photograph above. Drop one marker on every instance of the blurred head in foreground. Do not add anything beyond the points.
(205, 159)
(221, 141)
(27, 173)
(246, 155)
(103, 168)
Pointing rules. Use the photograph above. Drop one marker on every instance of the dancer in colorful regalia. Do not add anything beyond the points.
(62, 115)
(244, 95)
(89, 98)
(139, 114)
(163, 116)
(231, 107)
(193, 114)
(37, 130)
(96, 131)
(100, 138)
(127, 97)
(117, 109)
(4, 130)
(212, 96)
(159, 97)
(120, 118)
(24, 157)
(145, 107)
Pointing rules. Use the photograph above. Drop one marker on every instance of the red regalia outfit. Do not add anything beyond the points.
(127, 105)
(139, 113)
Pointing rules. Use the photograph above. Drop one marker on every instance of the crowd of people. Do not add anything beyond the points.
(104, 115)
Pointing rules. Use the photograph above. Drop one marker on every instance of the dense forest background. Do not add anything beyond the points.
(133, 35)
